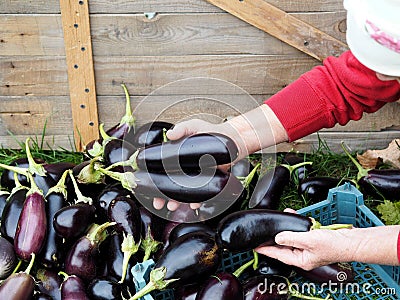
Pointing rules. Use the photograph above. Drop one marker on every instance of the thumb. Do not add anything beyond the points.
(291, 239)
(178, 131)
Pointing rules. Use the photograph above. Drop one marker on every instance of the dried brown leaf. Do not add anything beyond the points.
(372, 158)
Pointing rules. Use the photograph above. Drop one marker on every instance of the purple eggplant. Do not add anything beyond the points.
(3, 201)
(335, 273)
(57, 169)
(186, 292)
(383, 183)
(302, 171)
(31, 232)
(246, 230)
(221, 286)
(116, 151)
(106, 289)
(124, 212)
(49, 283)
(19, 286)
(270, 266)
(8, 259)
(73, 288)
(53, 251)
(81, 259)
(266, 287)
(185, 228)
(152, 226)
(150, 133)
(194, 152)
(41, 296)
(191, 258)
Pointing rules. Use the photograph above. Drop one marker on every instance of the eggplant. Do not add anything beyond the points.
(271, 266)
(186, 292)
(150, 133)
(41, 296)
(57, 169)
(49, 283)
(53, 251)
(116, 151)
(152, 226)
(73, 288)
(221, 286)
(3, 201)
(246, 230)
(266, 287)
(178, 265)
(317, 188)
(31, 232)
(380, 183)
(105, 289)
(302, 171)
(12, 211)
(185, 228)
(125, 214)
(19, 286)
(334, 273)
(8, 260)
(81, 259)
(198, 151)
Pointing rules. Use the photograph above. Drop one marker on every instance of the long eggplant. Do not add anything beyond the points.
(383, 183)
(194, 152)
(152, 226)
(185, 228)
(334, 273)
(73, 288)
(49, 283)
(81, 259)
(3, 200)
(246, 230)
(221, 286)
(266, 287)
(150, 133)
(19, 286)
(191, 258)
(106, 289)
(8, 259)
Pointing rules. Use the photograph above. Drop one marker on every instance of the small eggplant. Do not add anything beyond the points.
(8, 259)
(56, 170)
(185, 228)
(116, 151)
(31, 232)
(186, 292)
(317, 188)
(178, 265)
(266, 287)
(3, 201)
(270, 266)
(81, 259)
(124, 212)
(49, 283)
(152, 226)
(302, 171)
(246, 230)
(105, 289)
(73, 288)
(150, 133)
(221, 286)
(194, 152)
(19, 286)
(383, 183)
(335, 273)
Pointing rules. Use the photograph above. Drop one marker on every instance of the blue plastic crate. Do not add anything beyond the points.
(345, 204)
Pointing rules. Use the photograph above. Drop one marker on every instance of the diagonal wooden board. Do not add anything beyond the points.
(283, 26)
(81, 80)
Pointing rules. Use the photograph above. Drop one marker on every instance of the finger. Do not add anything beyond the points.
(195, 205)
(285, 254)
(172, 205)
(292, 239)
(158, 203)
(182, 129)
(290, 210)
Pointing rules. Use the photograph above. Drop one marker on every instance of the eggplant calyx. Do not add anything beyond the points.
(247, 180)
(18, 170)
(18, 186)
(60, 187)
(128, 118)
(96, 150)
(80, 197)
(164, 134)
(317, 225)
(34, 167)
(127, 179)
(292, 168)
(90, 174)
(156, 282)
(97, 233)
(361, 171)
(128, 247)
(34, 188)
(4, 193)
(149, 245)
(130, 162)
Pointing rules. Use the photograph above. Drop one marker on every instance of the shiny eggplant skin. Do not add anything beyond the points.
(152, 225)
(188, 188)
(269, 188)
(49, 283)
(55, 170)
(191, 266)
(380, 183)
(71, 222)
(124, 211)
(31, 232)
(121, 131)
(246, 230)
(185, 228)
(186, 292)
(3, 201)
(300, 172)
(106, 289)
(221, 286)
(19, 286)
(150, 133)
(8, 259)
(73, 288)
(11, 212)
(194, 152)
(266, 287)
(335, 273)
(117, 150)
(316, 188)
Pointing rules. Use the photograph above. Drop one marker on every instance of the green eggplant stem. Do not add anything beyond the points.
(361, 171)
(149, 245)
(29, 267)
(128, 118)
(294, 167)
(250, 176)
(80, 198)
(317, 225)
(128, 247)
(60, 187)
(34, 167)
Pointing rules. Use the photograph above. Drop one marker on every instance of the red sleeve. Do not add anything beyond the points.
(340, 90)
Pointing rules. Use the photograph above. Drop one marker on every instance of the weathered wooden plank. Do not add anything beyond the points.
(261, 74)
(135, 35)
(161, 6)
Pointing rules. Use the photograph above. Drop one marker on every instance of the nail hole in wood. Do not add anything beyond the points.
(306, 43)
(83, 106)
(76, 66)
(83, 49)
(91, 123)
(80, 2)
(86, 90)
(76, 25)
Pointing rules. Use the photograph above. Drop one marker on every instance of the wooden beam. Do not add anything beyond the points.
(283, 26)
(81, 80)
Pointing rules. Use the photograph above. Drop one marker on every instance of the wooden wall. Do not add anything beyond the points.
(184, 39)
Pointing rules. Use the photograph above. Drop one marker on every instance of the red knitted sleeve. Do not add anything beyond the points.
(340, 90)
